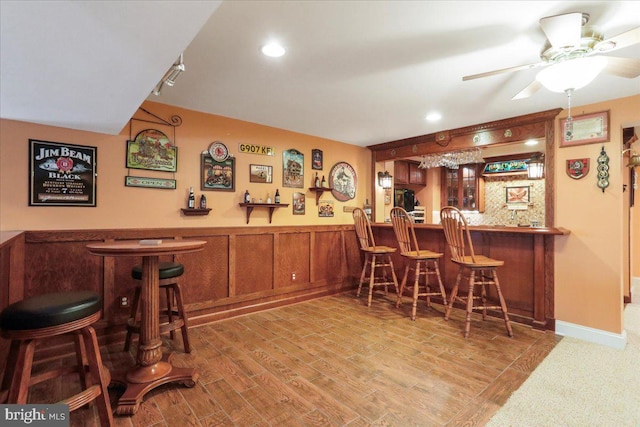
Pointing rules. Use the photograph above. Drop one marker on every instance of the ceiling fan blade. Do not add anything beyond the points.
(628, 38)
(503, 70)
(532, 88)
(563, 30)
(623, 67)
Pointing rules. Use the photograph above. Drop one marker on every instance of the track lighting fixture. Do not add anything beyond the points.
(170, 76)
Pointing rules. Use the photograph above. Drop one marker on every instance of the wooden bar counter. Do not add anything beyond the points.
(527, 276)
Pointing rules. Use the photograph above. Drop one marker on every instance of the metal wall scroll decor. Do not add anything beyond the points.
(603, 169)
(577, 168)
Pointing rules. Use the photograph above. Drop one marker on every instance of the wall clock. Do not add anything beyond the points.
(218, 151)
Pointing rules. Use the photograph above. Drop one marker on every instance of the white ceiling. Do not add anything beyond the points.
(360, 72)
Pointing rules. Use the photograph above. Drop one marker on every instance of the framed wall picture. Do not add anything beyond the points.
(217, 176)
(298, 203)
(62, 174)
(152, 150)
(343, 181)
(585, 129)
(518, 194)
(261, 173)
(292, 168)
(316, 159)
(325, 208)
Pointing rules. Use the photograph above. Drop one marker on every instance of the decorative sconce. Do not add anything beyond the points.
(385, 180)
(535, 167)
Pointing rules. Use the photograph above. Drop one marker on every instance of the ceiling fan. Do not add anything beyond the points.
(569, 42)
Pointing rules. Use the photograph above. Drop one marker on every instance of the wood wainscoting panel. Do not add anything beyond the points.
(292, 257)
(206, 273)
(253, 263)
(328, 253)
(61, 266)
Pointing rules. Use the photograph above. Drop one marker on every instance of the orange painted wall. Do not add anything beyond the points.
(590, 262)
(128, 207)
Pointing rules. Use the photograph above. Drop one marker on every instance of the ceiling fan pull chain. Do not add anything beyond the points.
(568, 125)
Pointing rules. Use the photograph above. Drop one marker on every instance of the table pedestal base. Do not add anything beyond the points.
(161, 373)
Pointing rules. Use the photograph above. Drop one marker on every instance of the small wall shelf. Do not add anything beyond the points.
(195, 212)
(319, 191)
(271, 206)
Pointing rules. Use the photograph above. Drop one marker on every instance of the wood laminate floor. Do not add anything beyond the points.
(334, 362)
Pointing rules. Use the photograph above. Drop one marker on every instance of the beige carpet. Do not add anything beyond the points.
(581, 384)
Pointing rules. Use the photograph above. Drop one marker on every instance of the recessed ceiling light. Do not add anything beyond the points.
(433, 117)
(273, 50)
(531, 142)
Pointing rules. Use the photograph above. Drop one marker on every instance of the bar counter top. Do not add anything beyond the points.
(555, 231)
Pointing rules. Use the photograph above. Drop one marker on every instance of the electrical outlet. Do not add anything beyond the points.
(293, 276)
(124, 302)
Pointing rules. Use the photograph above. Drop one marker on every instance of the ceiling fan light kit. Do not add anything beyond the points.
(571, 74)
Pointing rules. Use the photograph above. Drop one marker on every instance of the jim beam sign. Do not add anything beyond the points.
(61, 174)
(577, 168)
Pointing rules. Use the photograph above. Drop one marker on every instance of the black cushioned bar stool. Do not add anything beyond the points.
(30, 320)
(176, 318)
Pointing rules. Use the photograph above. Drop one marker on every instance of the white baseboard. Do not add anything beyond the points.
(597, 336)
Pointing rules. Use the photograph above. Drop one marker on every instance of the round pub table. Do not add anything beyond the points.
(151, 368)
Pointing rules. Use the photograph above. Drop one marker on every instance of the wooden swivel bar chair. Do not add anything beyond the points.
(375, 257)
(478, 269)
(423, 262)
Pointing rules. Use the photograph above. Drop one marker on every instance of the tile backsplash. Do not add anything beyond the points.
(497, 210)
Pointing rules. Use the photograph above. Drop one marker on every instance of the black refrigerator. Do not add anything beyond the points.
(405, 199)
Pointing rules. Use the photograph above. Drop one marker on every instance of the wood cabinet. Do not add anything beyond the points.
(406, 172)
(463, 188)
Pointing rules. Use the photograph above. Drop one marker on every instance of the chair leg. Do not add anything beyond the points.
(9, 368)
(81, 358)
(19, 388)
(503, 304)
(362, 275)
(442, 291)
(467, 326)
(185, 326)
(372, 276)
(403, 284)
(454, 294)
(169, 296)
(416, 285)
(393, 273)
(95, 368)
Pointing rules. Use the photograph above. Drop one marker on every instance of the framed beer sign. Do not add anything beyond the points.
(61, 174)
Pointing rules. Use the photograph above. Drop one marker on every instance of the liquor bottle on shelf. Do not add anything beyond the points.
(203, 202)
(324, 182)
(247, 197)
(316, 183)
(277, 200)
(367, 208)
(191, 202)
(268, 198)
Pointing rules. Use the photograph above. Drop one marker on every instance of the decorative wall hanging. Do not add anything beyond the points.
(138, 181)
(577, 168)
(316, 159)
(62, 174)
(603, 169)
(261, 173)
(152, 150)
(292, 168)
(518, 194)
(298, 203)
(325, 208)
(256, 149)
(343, 181)
(217, 176)
(585, 129)
(218, 151)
